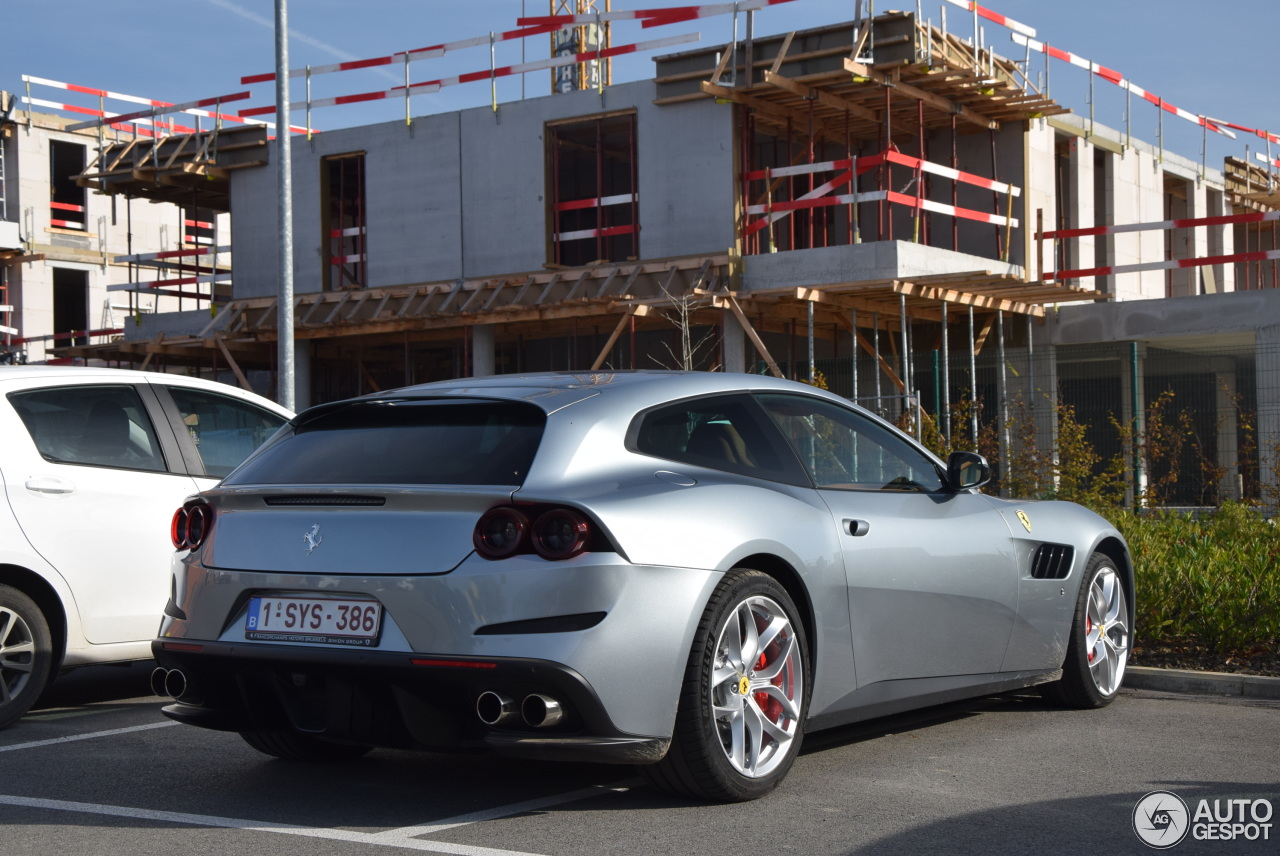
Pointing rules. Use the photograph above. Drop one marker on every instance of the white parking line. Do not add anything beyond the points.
(74, 737)
(500, 811)
(257, 826)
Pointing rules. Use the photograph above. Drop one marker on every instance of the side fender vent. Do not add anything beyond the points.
(1052, 561)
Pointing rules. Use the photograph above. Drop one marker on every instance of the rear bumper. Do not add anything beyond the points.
(395, 700)
(607, 638)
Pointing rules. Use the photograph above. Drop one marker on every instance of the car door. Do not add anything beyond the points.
(93, 484)
(216, 430)
(932, 583)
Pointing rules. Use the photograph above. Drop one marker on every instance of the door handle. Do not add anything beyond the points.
(857, 528)
(49, 484)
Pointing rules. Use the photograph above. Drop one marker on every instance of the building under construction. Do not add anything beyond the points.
(881, 202)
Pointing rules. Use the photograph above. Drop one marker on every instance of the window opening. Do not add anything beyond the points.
(594, 199)
(344, 222)
(70, 306)
(66, 197)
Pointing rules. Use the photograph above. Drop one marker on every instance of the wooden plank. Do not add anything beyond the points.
(965, 298)
(870, 349)
(613, 338)
(770, 108)
(782, 53)
(821, 96)
(235, 367)
(944, 104)
(752, 335)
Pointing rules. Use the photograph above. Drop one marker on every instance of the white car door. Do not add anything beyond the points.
(93, 481)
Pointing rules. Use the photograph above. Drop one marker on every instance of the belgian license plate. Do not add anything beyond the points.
(330, 621)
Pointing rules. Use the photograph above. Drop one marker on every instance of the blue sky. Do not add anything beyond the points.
(1218, 59)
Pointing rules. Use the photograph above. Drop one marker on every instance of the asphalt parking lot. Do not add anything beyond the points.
(96, 769)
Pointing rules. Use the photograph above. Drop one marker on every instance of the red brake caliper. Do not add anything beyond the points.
(769, 706)
(1088, 628)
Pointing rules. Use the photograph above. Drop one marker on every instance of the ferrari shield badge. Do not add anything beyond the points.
(1026, 521)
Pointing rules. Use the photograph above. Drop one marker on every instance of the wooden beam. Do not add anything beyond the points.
(946, 105)
(768, 107)
(981, 338)
(867, 346)
(964, 298)
(617, 331)
(752, 335)
(235, 367)
(822, 97)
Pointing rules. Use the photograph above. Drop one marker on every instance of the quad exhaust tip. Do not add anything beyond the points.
(541, 711)
(537, 710)
(494, 708)
(168, 682)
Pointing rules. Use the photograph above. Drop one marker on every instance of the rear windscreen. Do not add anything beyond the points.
(417, 442)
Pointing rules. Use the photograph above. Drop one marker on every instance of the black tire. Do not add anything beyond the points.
(26, 654)
(292, 746)
(699, 763)
(1097, 653)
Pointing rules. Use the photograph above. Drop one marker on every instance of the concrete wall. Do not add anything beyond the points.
(463, 195)
(113, 226)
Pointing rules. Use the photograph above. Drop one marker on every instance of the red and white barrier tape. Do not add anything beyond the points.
(171, 254)
(124, 129)
(1263, 158)
(778, 210)
(347, 260)
(159, 111)
(871, 161)
(147, 287)
(651, 17)
(501, 71)
(970, 6)
(1265, 135)
(400, 57)
(602, 202)
(1222, 220)
(351, 232)
(134, 99)
(1113, 76)
(1169, 264)
(610, 232)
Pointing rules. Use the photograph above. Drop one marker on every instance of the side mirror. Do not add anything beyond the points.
(966, 470)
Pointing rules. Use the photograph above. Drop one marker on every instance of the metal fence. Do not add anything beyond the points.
(1150, 423)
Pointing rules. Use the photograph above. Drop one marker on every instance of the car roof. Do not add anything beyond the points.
(553, 391)
(89, 374)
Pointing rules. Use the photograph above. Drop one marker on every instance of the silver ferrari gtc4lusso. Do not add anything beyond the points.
(685, 571)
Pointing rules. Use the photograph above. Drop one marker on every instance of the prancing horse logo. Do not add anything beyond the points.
(313, 538)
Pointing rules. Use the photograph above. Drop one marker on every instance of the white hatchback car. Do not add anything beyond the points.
(92, 463)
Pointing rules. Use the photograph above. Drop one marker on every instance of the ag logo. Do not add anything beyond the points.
(1161, 819)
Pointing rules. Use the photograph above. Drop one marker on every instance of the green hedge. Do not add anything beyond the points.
(1211, 580)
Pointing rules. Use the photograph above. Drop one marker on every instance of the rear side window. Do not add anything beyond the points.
(100, 426)
(722, 433)
(418, 442)
(224, 429)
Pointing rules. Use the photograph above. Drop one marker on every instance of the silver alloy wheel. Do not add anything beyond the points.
(1106, 635)
(17, 654)
(757, 686)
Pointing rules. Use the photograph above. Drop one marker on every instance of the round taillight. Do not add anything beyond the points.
(198, 519)
(560, 534)
(178, 529)
(500, 533)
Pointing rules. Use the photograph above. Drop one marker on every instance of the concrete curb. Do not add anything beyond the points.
(1201, 683)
